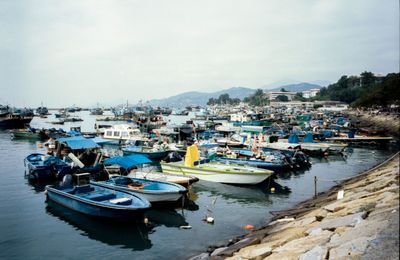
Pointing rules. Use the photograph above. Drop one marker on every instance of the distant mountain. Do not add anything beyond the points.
(296, 87)
(195, 98)
(322, 83)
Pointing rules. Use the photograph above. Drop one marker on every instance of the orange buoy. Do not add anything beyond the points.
(249, 227)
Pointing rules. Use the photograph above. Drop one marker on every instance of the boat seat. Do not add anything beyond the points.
(122, 201)
(100, 196)
(83, 189)
(201, 162)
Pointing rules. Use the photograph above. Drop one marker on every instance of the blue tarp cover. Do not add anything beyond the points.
(293, 139)
(78, 142)
(308, 138)
(127, 162)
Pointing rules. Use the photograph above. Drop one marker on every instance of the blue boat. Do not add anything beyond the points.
(42, 166)
(95, 200)
(270, 165)
(272, 160)
(154, 191)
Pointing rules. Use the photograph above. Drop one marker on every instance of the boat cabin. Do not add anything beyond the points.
(122, 132)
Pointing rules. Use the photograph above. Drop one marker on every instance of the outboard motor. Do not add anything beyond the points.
(173, 157)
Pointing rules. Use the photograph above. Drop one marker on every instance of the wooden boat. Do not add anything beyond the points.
(154, 191)
(95, 200)
(214, 171)
(29, 133)
(11, 121)
(42, 110)
(42, 166)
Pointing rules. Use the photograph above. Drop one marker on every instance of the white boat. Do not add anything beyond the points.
(123, 132)
(214, 171)
(153, 191)
(184, 180)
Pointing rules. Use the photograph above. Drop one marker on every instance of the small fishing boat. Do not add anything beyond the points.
(154, 191)
(42, 166)
(95, 200)
(29, 133)
(131, 164)
(42, 110)
(214, 171)
(157, 152)
(98, 111)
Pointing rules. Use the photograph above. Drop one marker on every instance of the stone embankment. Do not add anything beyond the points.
(384, 121)
(363, 224)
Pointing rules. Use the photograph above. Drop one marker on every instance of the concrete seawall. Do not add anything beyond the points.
(361, 224)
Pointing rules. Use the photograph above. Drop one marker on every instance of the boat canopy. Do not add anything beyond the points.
(128, 162)
(78, 142)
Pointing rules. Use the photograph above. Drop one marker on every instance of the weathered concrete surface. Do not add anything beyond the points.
(364, 224)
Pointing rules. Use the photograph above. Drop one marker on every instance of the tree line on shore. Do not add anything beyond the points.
(366, 90)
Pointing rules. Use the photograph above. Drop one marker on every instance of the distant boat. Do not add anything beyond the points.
(214, 171)
(42, 111)
(96, 111)
(123, 132)
(95, 200)
(154, 191)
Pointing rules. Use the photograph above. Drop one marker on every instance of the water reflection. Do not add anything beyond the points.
(166, 217)
(243, 194)
(38, 186)
(126, 234)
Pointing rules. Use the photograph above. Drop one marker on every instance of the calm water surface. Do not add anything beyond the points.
(31, 228)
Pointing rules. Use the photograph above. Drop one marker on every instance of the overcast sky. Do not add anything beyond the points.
(82, 52)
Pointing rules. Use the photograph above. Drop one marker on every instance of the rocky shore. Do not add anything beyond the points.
(386, 122)
(358, 219)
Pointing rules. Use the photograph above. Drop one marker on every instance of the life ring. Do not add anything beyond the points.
(135, 186)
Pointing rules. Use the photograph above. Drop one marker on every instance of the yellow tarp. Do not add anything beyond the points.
(192, 155)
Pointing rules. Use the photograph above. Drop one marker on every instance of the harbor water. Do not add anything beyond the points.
(32, 228)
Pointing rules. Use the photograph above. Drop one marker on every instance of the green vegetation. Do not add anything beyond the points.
(282, 98)
(257, 99)
(223, 99)
(364, 91)
(299, 97)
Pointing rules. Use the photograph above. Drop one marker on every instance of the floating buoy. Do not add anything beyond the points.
(249, 227)
(272, 190)
(210, 220)
(185, 227)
